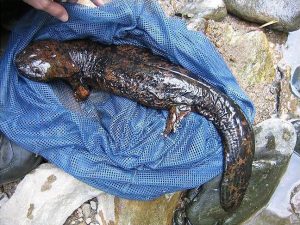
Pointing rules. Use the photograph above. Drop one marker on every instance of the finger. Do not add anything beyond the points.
(50, 7)
(88, 2)
(97, 2)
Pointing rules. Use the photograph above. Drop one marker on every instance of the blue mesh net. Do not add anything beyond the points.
(110, 142)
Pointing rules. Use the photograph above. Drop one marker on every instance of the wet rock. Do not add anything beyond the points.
(114, 210)
(285, 12)
(275, 141)
(269, 218)
(283, 208)
(42, 199)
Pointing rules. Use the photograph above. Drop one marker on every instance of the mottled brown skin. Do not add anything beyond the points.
(137, 74)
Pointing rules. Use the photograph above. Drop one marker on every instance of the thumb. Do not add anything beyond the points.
(53, 8)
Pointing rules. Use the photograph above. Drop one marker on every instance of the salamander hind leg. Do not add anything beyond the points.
(176, 114)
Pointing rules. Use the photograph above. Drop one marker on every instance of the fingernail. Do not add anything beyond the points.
(97, 2)
(64, 18)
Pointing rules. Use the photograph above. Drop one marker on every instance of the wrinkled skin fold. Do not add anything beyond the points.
(152, 81)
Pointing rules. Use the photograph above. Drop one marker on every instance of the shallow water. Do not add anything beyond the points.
(279, 207)
(278, 210)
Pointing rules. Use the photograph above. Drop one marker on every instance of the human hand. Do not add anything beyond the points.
(57, 10)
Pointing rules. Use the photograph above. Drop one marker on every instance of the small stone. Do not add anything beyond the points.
(93, 205)
(88, 220)
(167, 7)
(80, 219)
(79, 213)
(86, 210)
(73, 222)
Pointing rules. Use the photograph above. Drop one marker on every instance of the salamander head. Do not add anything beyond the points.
(45, 61)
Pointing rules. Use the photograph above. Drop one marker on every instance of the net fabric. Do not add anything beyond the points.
(110, 142)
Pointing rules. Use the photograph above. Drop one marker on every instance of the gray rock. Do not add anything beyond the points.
(79, 213)
(286, 12)
(93, 205)
(86, 210)
(46, 196)
(275, 141)
(196, 9)
(88, 220)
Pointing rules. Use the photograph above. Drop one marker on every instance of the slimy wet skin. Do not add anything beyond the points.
(154, 82)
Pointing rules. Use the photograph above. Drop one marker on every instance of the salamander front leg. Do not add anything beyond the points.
(176, 114)
(81, 91)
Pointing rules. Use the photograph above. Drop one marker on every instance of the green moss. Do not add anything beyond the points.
(286, 135)
(257, 130)
(271, 143)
